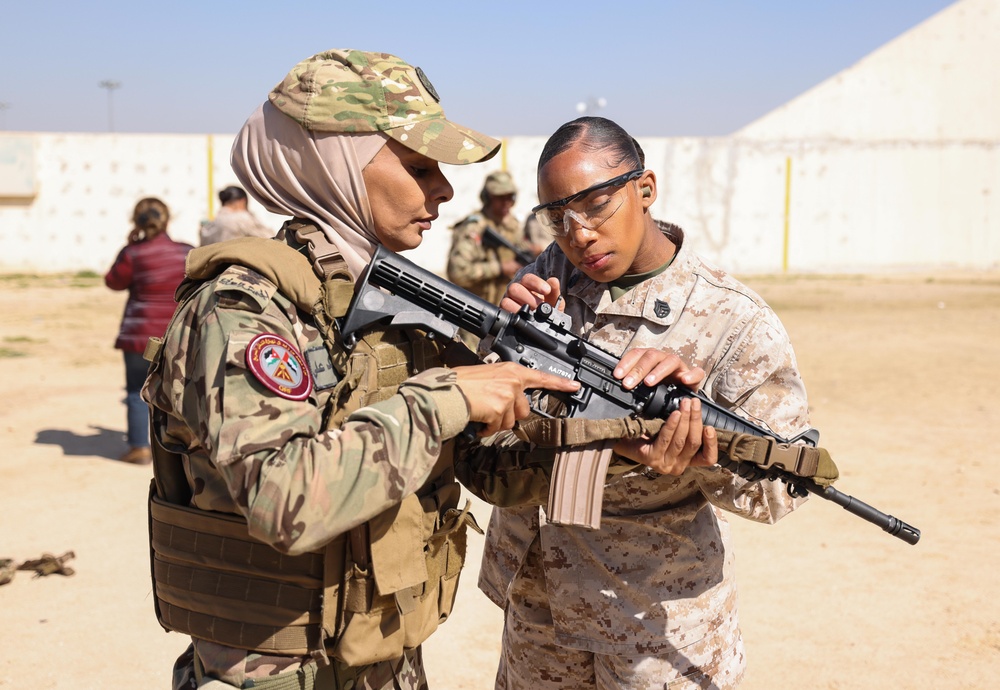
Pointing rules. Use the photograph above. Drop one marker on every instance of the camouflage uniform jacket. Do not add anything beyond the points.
(267, 458)
(658, 575)
(477, 268)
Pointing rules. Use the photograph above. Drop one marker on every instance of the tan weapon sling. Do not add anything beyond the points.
(576, 488)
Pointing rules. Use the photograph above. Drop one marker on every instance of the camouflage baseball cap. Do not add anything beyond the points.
(355, 91)
(500, 184)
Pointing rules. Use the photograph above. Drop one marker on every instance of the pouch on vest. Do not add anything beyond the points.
(409, 585)
(370, 594)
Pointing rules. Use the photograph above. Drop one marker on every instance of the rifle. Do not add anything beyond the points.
(395, 292)
(492, 238)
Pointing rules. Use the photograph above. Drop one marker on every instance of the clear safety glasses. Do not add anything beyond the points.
(594, 205)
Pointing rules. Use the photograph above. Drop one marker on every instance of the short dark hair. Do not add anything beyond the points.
(595, 134)
(232, 193)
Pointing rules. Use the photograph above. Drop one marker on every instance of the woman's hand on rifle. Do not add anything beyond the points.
(682, 441)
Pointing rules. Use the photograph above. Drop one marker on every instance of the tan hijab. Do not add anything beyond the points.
(292, 171)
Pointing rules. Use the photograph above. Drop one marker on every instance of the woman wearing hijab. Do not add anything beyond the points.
(305, 524)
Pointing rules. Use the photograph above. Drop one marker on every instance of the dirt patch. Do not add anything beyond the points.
(903, 382)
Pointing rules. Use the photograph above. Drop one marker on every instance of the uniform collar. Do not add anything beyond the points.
(658, 300)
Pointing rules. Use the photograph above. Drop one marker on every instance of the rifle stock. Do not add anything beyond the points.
(395, 292)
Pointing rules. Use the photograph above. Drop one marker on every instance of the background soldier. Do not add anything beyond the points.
(233, 220)
(476, 265)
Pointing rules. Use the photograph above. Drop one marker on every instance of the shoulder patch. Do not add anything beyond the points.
(278, 365)
(468, 220)
(246, 288)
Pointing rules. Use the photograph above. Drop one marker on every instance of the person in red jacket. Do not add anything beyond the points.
(150, 267)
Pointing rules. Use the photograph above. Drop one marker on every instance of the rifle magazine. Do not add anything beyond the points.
(576, 491)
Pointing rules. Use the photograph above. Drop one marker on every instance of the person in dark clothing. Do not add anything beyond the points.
(150, 267)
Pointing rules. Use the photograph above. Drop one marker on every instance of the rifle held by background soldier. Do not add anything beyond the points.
(492, 238)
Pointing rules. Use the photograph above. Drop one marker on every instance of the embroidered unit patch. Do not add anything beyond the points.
(278, 365)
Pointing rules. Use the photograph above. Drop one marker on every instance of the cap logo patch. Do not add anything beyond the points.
(427, 84)
(661, 309)
(277, 364)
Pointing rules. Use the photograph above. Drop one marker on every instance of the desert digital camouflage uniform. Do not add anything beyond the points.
(266, 458)
(652, 592)
(477, 268)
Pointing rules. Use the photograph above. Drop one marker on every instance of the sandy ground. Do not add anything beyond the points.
(903, 378)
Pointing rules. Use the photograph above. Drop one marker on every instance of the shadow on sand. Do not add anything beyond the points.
(103, 443)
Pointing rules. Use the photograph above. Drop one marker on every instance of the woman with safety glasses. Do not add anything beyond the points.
(649, 599)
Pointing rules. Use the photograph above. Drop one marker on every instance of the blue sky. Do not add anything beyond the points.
(665, 68)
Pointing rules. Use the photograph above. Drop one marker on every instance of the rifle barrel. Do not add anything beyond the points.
(888, 523)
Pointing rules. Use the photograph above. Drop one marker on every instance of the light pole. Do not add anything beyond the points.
(4, 107)
(591, 105)
(110, 85)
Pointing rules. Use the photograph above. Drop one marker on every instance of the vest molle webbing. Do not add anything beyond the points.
(370, 594)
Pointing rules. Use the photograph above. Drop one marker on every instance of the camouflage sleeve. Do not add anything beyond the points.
(505, 471)
(468, 261)
(758, 378)
(300, 486)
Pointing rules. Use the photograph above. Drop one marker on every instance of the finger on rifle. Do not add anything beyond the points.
(647, 365)
(532, 291)
(709, 454)
(691, 377)
(522, 408)
(532, 379)
(679, 440)
(503, 421)
(519, 295)
(554, 297)
(695, 427)
(657, 451)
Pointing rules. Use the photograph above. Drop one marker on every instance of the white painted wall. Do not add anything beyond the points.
(939, 81)
(854, 205)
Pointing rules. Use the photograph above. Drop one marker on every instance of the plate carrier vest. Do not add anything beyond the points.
(369, 594)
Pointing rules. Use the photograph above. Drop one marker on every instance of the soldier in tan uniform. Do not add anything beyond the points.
(233, 220)
(476, 265)
(304, 518)
(649, 599)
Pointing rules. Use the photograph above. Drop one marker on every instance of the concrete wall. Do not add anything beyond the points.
(893, 164)
(854, 205)
(939, 81)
